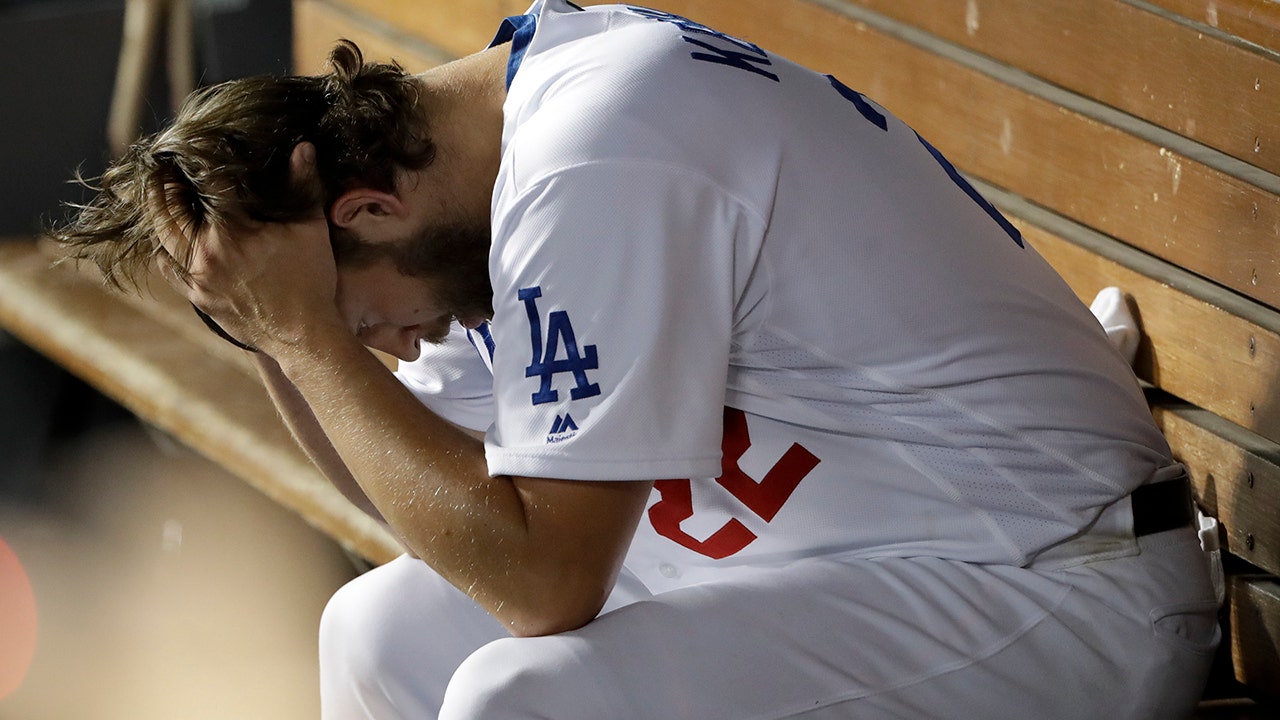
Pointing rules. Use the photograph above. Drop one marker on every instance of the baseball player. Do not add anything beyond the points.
(780, 418)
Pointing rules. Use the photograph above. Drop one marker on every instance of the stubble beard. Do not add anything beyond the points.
(452, 258)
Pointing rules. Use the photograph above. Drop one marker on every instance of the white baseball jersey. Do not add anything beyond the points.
(741, 278)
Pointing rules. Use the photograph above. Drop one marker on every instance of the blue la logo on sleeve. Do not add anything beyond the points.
(545, 365)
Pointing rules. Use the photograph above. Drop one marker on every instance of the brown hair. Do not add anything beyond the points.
(225, 158)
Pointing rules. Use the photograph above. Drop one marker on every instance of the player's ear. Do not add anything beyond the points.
(360, 205)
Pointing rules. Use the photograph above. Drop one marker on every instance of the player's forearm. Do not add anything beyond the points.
(430, 481)
(308, 434)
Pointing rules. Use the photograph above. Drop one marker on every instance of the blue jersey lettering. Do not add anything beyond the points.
(749, 56)
(873, 116)
(877, 118)
(742, 61)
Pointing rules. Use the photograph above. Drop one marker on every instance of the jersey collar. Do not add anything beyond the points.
(517, 30)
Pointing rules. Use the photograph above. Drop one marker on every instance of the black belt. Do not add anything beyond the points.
(1162, 506)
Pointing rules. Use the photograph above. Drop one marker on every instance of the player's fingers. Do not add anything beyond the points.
(187, 251)
(169, 274)
(173, 255)
(175, 276)
(168, 231)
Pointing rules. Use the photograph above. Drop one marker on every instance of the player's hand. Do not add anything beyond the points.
(268, 285)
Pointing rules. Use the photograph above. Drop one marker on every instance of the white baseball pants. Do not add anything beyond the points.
(818, 639)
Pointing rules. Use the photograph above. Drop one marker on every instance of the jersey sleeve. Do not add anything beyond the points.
(614, 294)
(452, 379)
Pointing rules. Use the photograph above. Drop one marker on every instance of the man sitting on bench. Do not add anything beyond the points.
(780, 417)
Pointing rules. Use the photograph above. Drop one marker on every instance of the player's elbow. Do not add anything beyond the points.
(541, 626)
(552, 612)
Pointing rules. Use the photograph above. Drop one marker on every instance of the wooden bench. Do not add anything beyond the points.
(154, 356)
(1136, 144)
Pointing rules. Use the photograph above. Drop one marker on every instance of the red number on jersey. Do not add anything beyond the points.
(676, 506)
(764, 498)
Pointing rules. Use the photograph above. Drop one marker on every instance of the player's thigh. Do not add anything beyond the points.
(391, 639)
(1133, 639)
(810, 638)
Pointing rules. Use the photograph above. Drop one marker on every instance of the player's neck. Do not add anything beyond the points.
(463, 112)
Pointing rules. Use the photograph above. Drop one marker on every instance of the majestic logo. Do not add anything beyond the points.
(562, 429)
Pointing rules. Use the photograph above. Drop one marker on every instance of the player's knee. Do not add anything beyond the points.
(489, 683)
(522, 679)
(343, 642)
(355, 632)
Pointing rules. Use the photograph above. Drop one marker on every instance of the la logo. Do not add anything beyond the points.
(545, 365)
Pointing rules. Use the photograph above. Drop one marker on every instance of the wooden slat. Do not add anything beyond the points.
(1236, 479)
(176, 384)
(318, 25)
(1192, 348)
(1201, 85)
(1150, 195)
(1154, 195)
(1205, 345)
(1255, 633)
(459, 28)
(1255, 21)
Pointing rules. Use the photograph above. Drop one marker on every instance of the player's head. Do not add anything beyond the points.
(225, 158)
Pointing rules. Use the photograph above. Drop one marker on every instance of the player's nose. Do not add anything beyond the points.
(402, 343)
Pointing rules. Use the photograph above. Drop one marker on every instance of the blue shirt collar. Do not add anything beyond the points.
(518, 30)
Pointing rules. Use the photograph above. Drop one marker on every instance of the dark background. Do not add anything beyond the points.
(57, 70)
